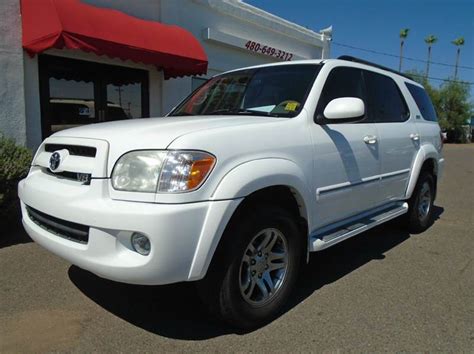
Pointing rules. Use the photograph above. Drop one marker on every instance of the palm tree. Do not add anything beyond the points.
(403, 36)
(430, 40)
(458, 42)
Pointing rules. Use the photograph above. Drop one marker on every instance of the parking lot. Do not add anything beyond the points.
(384, 290)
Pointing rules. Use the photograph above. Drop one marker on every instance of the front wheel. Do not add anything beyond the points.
(259, 265)
(420, 212)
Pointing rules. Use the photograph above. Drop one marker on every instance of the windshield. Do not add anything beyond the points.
(275, 91)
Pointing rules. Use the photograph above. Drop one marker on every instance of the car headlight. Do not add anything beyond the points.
(162, 171)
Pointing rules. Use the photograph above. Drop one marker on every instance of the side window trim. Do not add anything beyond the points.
(371, 116)
(422, 108)
(405, 104)
(365, 119)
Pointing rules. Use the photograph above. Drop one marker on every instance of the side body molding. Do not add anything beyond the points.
(238, 183)
(426, 152)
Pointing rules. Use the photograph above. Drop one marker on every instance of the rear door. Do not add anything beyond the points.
(399, 139)
(346, 154)
(426, 120)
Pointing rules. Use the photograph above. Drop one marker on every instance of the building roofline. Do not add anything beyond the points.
(259, 17)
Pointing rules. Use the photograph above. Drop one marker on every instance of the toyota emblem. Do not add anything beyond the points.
(54, 161)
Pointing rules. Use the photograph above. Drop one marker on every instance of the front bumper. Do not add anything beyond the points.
(183, 236)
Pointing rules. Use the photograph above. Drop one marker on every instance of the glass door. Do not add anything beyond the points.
(75, 93)
(126, 94)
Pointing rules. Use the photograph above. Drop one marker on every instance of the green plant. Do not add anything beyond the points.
(455, 110)
(14, 164)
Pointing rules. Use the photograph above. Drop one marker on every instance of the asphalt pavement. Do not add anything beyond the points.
(384, 290)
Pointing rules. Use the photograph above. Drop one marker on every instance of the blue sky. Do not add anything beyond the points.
(376, 25)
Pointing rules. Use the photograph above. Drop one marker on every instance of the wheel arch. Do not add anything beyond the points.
(254, 182)
(426, 160)
(258, 175)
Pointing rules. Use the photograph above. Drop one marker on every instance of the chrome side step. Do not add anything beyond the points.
(333, 234)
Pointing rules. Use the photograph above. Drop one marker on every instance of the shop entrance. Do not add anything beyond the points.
(76, 92)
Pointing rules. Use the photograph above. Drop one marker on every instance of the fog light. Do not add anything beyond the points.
(141, 244)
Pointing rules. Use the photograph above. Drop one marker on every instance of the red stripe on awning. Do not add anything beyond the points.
(75, 25)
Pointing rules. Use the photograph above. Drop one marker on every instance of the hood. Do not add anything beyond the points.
(154, 133)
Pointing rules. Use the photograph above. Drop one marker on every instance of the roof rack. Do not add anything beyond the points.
(362, 61)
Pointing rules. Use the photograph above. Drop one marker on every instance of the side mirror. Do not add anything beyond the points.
(345, 108)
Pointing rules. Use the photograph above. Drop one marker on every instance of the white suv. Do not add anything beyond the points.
(250, 173)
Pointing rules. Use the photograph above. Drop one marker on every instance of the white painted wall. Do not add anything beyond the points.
(144, 9)
(239, 20)
(32, 102)
(12, 103)
(19, 89)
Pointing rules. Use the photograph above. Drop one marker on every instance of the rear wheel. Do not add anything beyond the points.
(255, 271)
(420, 212)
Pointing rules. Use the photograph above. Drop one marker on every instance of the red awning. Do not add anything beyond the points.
(75, 25)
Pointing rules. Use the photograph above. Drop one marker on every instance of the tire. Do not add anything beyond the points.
(234, 286)
(420, 205)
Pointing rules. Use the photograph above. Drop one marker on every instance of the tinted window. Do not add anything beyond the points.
(276, 91)
(423, 102)
(386, 103)
(341, 82)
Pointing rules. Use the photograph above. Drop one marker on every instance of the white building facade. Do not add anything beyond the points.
(61, 88)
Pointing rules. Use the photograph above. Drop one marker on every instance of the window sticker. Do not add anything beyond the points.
(291, 106)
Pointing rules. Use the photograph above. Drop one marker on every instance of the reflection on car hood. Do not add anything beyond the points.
(154, 133)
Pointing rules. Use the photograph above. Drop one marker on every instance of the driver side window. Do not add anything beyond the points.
(341, 82)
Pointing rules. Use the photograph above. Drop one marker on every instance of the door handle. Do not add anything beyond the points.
(370, 139)
(415, 136)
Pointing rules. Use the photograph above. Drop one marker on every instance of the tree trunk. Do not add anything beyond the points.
(401, 56)
(457, 63)
(428, 62)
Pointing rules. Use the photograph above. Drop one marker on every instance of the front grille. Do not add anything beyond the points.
(62, 228)
(77, 150)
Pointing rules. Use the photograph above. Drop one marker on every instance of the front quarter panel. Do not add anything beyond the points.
(258, 174)
(237, 184)
(270, 139)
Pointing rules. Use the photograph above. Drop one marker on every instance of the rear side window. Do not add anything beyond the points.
(341, 82)
(423, 102)
(386, 103)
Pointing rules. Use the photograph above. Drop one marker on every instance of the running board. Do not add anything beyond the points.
(325, 237)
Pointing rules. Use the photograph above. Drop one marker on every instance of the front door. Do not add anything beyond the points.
(346, 155)
(76, 92)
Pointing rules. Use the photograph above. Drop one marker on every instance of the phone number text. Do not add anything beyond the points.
(267, 50)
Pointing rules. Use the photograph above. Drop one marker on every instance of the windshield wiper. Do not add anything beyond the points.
(181, 114)
(243, 112)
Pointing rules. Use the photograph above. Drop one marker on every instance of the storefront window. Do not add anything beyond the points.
(124, 101)
(71, 103)
(75, 93)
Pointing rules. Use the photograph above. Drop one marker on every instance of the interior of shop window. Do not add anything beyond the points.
(76, 92)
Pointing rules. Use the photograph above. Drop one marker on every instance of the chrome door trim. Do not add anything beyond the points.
(340, 186)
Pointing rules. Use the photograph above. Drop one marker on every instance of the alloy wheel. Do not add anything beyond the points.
(264, 267)
(424, 201)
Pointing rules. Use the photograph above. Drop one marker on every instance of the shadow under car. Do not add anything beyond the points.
(175, 311)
